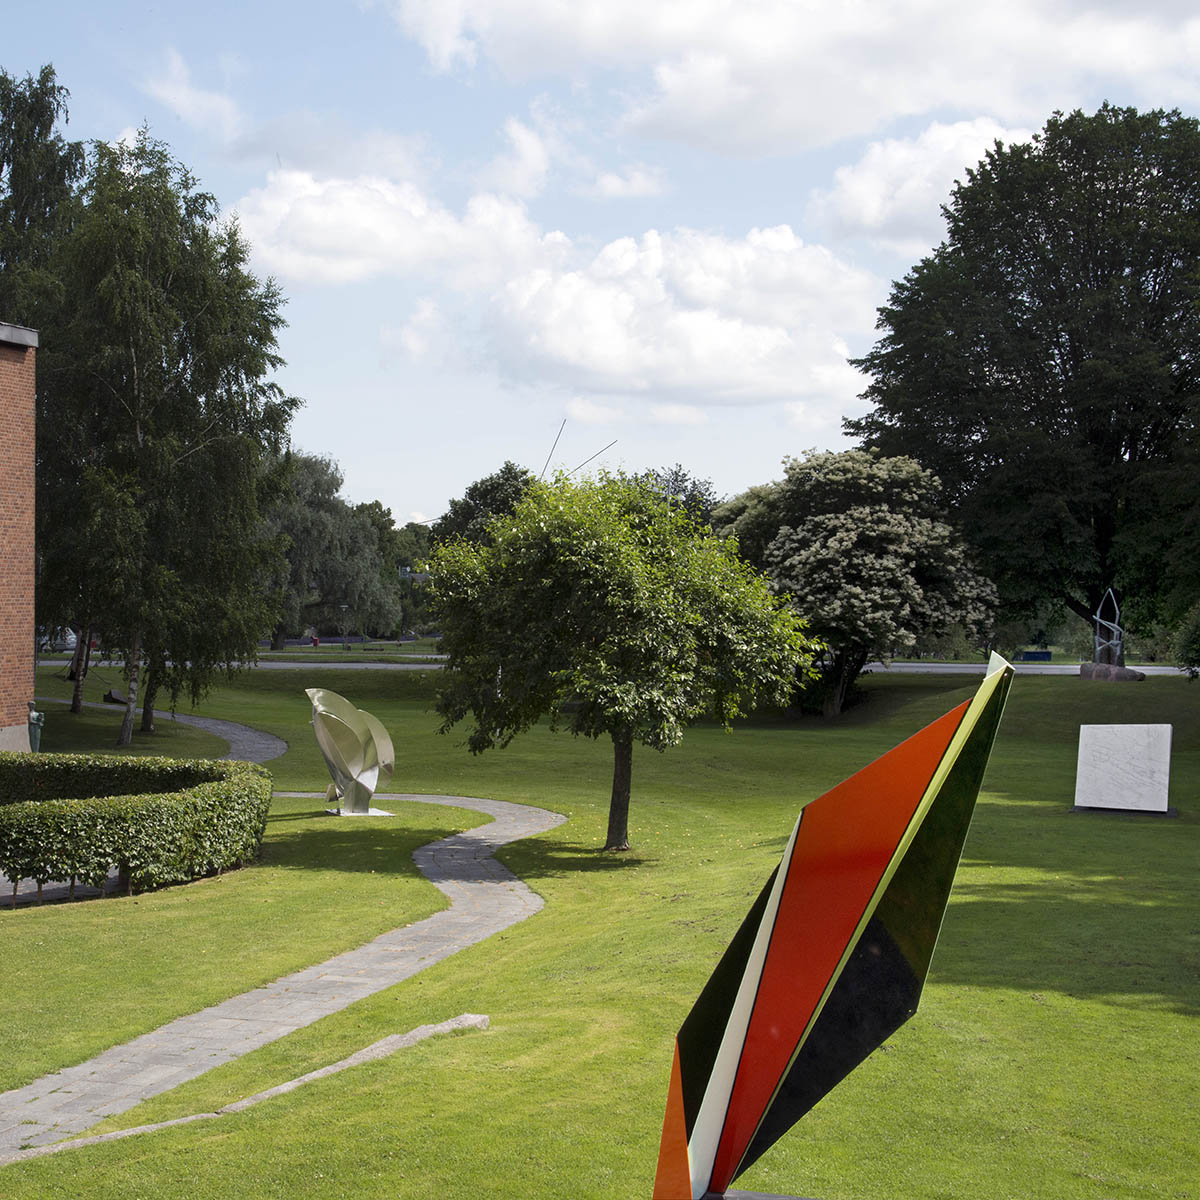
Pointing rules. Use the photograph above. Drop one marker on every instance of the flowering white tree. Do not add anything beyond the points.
(863, 552)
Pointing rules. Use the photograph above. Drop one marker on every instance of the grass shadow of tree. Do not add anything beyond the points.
(554, 858)
(363, 845)
(1086, 906)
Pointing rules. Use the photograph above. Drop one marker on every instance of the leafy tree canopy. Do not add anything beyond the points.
(413, 543)
(494, 495)
(1042, 361)
(334, 554)
(38, 173)
(861, 549)
(155, 402)
(677, 485)
(613, 612)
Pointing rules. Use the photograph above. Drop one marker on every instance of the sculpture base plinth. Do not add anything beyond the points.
(1137, 812)
(345, 812)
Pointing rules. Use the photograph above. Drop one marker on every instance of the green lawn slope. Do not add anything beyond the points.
(1054, 1054)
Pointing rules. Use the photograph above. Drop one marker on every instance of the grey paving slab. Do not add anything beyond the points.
(485, 897)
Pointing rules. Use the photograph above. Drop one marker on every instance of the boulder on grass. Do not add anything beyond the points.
(1109, 671)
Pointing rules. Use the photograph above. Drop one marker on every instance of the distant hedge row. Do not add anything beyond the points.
(155, 820)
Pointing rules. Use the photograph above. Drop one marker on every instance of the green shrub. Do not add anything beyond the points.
(155, 820)
(1187, 643)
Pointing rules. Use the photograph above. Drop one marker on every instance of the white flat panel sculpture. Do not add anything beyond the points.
(1125, 767)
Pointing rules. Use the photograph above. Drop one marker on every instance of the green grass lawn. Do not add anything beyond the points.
(95, 731)
(1054, 1055)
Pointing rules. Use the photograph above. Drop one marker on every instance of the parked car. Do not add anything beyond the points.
(52, 640)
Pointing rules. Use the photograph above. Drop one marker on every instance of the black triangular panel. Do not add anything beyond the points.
(914, 904)
(874, 995)
(700, 1035)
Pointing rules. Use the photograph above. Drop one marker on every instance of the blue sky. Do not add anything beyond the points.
(667, 222)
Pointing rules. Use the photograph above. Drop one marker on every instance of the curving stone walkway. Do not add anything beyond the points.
(485, 897)
(245, 744)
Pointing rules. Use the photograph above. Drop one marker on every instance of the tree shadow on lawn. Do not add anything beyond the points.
(553, 858)
(343, 846)
(1088, 905)
(1038, 939)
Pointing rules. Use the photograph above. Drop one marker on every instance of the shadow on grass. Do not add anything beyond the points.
(337, 846)
(1081, 904)
(1041, 939)
(552, 858)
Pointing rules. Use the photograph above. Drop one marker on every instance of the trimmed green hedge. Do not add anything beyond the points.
(155, 820)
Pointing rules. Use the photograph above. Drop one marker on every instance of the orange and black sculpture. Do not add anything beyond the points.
(832, 957)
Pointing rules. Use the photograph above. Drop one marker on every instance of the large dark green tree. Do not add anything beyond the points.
(1043, 363)
(613, 612)
(155, 396)
(677, 485)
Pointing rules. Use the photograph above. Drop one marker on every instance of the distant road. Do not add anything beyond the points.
(347, 666)
(897, 668)
(1021, 668)
(301, 665)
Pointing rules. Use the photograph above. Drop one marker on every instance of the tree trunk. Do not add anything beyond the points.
(618, 809)
(279, 639)
(79, 667)
(134, 663)
(151, 691)
(846, 669)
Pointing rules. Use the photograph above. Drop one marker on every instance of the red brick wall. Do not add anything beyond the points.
(16, 533)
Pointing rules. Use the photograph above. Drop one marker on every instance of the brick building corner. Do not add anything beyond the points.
(18, 350)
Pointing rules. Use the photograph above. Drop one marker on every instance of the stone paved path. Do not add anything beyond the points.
(485, 897)
(245, 744)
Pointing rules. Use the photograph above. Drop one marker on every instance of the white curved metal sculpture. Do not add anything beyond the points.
(356, 749)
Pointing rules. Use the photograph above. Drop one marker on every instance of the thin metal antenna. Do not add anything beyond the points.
(554, 447)
(596, 455)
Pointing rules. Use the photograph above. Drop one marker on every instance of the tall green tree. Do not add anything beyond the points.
(1042, 361)
(332, 554)
(613, 612)
(155, 384)
(678, 485)
(413, 544)
(39, 169)
(494, 495)
(860, 546)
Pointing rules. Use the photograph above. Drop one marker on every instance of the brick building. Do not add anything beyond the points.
(18, 349)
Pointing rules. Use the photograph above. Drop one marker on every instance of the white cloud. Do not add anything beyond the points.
(212, 112)
(678, 414)
(634, 181)
(690, 317)
(523, 169)
(754, 75)
(893, 193)
(344, 230)
(419, 333)
(593, 412)
(679, 318)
